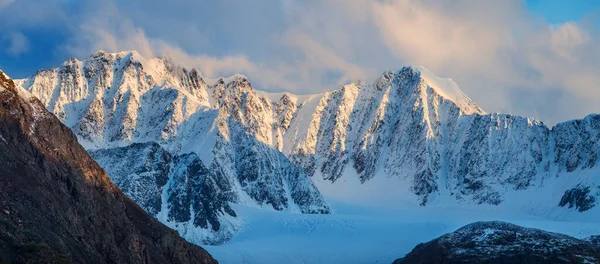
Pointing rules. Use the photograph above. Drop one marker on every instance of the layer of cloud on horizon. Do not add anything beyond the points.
(504, 57)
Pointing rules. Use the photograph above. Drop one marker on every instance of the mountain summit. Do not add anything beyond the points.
(446, 88)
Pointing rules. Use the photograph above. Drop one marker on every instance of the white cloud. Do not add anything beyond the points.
(213, 67)
(319, 58)
(17, 44)
(568, 57)
(565, 38)
(431, 37)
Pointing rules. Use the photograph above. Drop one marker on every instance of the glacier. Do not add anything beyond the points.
(196, 152)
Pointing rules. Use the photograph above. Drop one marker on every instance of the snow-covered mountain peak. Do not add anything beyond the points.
(444, 87)
(118, 58)
(411, 72)
(227, 80)
(158, 67)
(120, 54)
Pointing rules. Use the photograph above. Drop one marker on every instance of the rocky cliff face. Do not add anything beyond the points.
(499, 242)
(409, 129)
(177, 189)
(58, 206)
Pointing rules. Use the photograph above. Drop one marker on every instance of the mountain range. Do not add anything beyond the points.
(185, 148)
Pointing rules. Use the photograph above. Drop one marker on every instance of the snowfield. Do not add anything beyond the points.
(379, 221)
(365, 234)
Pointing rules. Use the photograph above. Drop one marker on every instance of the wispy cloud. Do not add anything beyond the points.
(16, 44)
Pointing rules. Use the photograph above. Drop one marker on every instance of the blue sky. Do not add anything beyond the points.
(535, 58)
(561, 11)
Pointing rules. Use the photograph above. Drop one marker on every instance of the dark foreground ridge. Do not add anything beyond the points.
(58, 206)
(500, 242)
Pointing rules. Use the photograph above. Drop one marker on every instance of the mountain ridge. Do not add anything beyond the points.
(271, 95)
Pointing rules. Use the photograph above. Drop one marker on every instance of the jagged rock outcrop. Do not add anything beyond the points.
(58, 206)
(594, 240)
(176, 189)
(500, 242)
(580, 197)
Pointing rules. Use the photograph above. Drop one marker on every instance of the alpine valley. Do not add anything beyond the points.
(221, 162)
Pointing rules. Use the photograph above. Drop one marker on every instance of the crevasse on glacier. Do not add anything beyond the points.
(225, 142)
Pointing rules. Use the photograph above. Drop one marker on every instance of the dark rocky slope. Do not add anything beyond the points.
(58, 206)
(500, 242)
